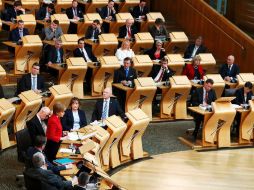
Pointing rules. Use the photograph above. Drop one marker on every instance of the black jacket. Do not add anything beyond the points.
(24, 83)
(123, 31)
(70, 15)
(89, 33)
(151, 52)
(114, 109)
(136, 11)
(52, 55)
(11, 14)
(190, 48)
(120, 75)
(240, 97)
(224, 71)
(156, 70)
(14, 34)
(104, 13)
(197, 97)
(77, 53)
(68, 121)
(161, 32)
(35, 128)
(41, 13)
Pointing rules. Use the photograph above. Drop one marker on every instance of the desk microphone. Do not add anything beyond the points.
(177, 97)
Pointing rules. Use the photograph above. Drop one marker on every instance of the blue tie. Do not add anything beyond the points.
(126, 72)
(105, 109)
(58, 56)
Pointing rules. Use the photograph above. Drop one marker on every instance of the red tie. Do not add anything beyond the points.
(129, 32)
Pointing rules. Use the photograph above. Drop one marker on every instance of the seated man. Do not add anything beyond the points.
(17, 33)
(244, 94)
(54, 31)
(158, 30)
(47, 178)
(195, 48)
(31, 81)
(12, 12)
(37, 126)
(140, 11)
(94, 30)
(202, 96)
(83, 180)
(39, 145)
(161, 72)
(229, 70)
(84, 51)
(109, 14)
(45, 12)
(128, 30)
(106, 107)
(56, 53)
(125, 75)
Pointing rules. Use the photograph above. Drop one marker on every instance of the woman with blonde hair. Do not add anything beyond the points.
(124, 51)
(194, 71)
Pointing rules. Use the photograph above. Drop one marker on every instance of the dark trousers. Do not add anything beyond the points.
(198, 120)
(51, 150)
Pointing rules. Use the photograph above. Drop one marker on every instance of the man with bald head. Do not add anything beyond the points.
(107, 107)
(229, 70)
(128, 30)
(36, 126)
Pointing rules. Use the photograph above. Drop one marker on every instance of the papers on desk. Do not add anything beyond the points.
(195, 81)
(159, 83)
(74, 136)
(156, 60)
(205, 108)
(188, 60)
(236, 106)
(67, 150)
(96, 123)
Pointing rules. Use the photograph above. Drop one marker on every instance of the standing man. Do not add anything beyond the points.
(229, 70)
(31, 81)
(195, 48)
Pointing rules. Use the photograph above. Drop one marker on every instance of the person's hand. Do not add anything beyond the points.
(69, 166)
(76, 18)
(74, 180)
(163, 49)
(23, 10)
(227, 78)
(109, 17)
(143, 17)
(124, 82)
(49, 63)
(37, 91)
(65, 133)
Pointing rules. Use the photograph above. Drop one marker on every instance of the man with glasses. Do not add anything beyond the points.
(36, 126)
(31, 81)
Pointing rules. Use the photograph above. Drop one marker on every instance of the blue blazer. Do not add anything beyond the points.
(68, 120)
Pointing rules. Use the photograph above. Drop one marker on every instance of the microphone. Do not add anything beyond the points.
(140, 101)
(219, 126)
(71, 80)
(174, 100)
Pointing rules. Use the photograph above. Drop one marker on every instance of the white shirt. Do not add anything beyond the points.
(76, 120)
(121, 54)
(158, 75)
(204, 96)
(86, 55)
(194, 51)
(35, 85)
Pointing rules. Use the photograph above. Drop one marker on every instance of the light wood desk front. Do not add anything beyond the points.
(178, 42)
(64, 21)
(143, 40)
(176, 63)
(242, 78)
(94, 4)
(107, 45)
(88, 20)
(143, 65)
(219, 83)
(120, 21)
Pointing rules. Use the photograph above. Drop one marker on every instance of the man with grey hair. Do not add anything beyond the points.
(128, 30)
(48, 179)
(229, 70)
(195, 48)
(36, 126)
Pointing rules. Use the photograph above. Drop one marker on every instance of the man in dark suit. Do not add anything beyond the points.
(44, 13)
(109, 14)
(39, 145)
(106, 107)
(12, 12)
(125, 75)
(56, 53)
(244, 94)
(140, 11)
(37, 126)
(17, 33)
(229, 70)
(161, 72)
(48, 179)
(94, 30)
(195, 49)
(202, 96)
(83, 180)
(31, 81)
(128, 30)
(84, 51)
(158, 30)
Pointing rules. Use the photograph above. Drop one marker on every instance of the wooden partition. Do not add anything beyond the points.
(198, 18)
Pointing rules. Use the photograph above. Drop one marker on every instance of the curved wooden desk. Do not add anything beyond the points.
(143, 65)
(219, 83)
(178, 42)
(143, 40)
(88, 20)
(107, 45)
(242, 78)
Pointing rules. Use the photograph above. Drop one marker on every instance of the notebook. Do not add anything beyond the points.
(63, 161)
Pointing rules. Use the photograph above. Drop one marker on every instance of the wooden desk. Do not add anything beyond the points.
(143, 65)
(70, 42)
(230, 84)
(219, 83)
(242, 78)
(207, 61)
(176, 63)
(29, 5)
(127, 4)
(29, 22)
(61, 5)
(91, 7)
(178, 42)
(143, 40)
(107, 45)
(64, 21)
(88, 20)
(59, 68)
(151, 17)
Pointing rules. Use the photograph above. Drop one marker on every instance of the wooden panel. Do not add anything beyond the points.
(220, 36)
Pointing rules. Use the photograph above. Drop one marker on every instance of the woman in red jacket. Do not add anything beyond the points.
(194, 70)
(54, 132)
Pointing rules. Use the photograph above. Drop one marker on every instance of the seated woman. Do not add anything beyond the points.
(124, 51)
(194, 70)
(74, 118)
(54, 132)
(157, 51)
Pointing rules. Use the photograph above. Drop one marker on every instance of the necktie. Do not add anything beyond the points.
(75, 12)
(206, 97)
(129, 32)
(58, 56)
(126, 72)
(93, 33)
(33, 83)
(109, 12)
(104, 111)
(21, 33)
(161, 76)
(83, 54)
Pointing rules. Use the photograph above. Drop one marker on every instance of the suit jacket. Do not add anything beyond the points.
(123, 31)
(70, 15)
(136, 11)
(49, 34)
(154, 32)
(114, 109)
(104, 13)
(52, 55)
(41, 13)
(56, 169)
(50, 180)
(156, 70)
(89, 33)
(120, 75)
(35, 128)
(197, 97)
(77, 53)
(151, 52)
(68, 121)
(224, 71)
(189, 71)
(14, 34)
(76, 187)
(190, 48)
(10, 13)
(240, 97)
(24, 83)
